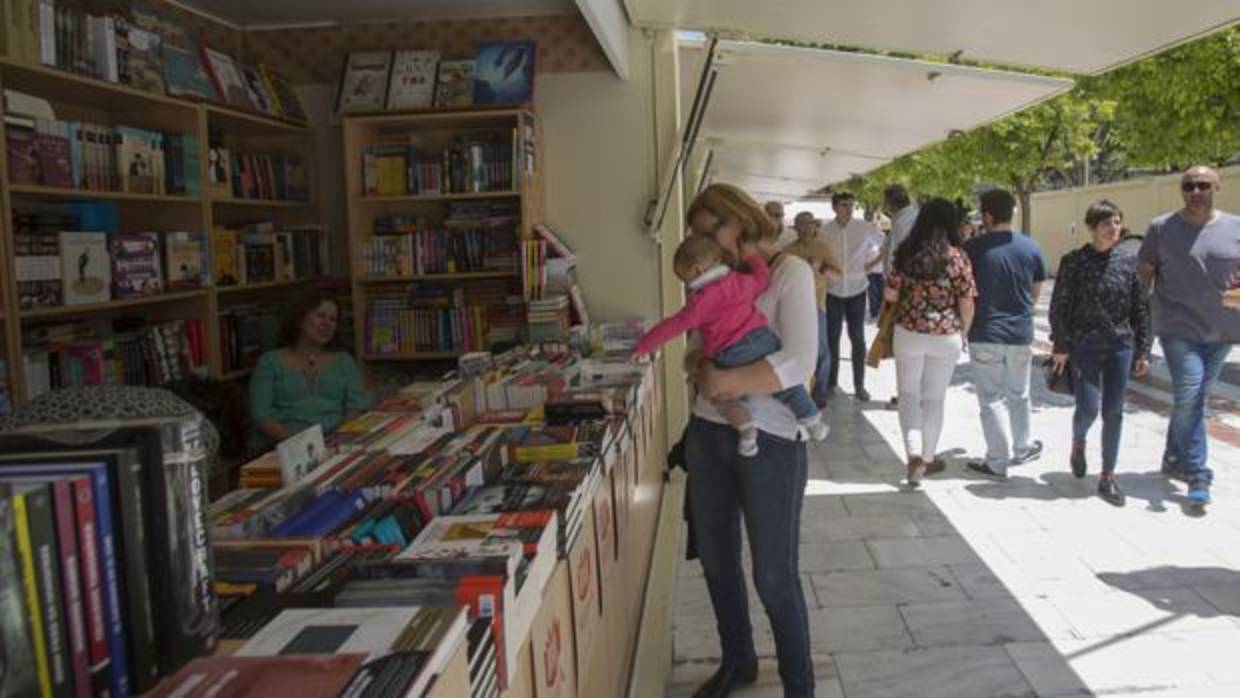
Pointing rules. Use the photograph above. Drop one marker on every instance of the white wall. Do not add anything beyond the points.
(598, 136)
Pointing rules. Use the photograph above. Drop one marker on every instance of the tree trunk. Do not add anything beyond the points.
(1024, 198)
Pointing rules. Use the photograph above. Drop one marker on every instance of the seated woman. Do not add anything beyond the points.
(304, 382)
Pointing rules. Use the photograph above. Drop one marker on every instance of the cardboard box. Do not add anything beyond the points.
(453, 681)
(551, 640)
(583, 576)
(604, 512)
(521, 683)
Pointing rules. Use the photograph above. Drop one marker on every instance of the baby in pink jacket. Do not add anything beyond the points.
(734, 332)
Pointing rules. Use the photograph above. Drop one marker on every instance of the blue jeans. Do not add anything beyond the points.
(875, 293)
(753, 347)
(768, 490)
(1100, 373)
(824, 360)
(1194, 367)
(849, 310)
(1001, 375)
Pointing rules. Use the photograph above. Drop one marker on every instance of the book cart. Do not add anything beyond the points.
(81, 98)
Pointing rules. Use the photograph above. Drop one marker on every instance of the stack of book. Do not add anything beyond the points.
(120, 352)
(247, 331)
(43, 150)
(438, 252)
(266, 176)
(144, 47)
(474, 164)
(425, 320)
(83, 532)
(260, 252)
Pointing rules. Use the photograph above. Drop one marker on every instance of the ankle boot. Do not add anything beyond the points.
(1079, 465)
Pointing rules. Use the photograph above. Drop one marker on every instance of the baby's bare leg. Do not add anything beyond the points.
(738, 416)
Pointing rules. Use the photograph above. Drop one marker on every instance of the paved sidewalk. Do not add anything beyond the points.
(1030, 587)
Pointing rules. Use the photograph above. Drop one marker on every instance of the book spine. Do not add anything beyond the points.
(31, 586)
(66, 534)
(92, 585)
(106, 541)
(41, 521)
(141, 647)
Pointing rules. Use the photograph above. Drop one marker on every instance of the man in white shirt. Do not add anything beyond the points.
(848, 238)
(787, 235)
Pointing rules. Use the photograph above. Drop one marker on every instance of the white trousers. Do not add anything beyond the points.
(924, 365)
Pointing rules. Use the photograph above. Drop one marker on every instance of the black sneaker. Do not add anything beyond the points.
(1110, 492)
(862, 394)
(1079, 464)
(1029, 455)
(984, 469)
(1172, 472)
(726, 678)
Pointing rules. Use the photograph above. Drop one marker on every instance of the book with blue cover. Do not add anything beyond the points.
(504, 73)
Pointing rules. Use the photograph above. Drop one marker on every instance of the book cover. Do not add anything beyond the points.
(224, 255)
(330, 631)
(30, 587)
(18, 673)
(184, 254)
(256, 90)
(71, 586)
(227, 79)
(54, 156)
(138, 170)
(184, 72)
(505, 72)
(455, 84)
(315, 676)
(136, 266)
(219, 171)
(41, 527)
(92, 580)
(86, 267)
(364, 82)
(413, 79)
(301, 454)
(138, 57)
(279, 87)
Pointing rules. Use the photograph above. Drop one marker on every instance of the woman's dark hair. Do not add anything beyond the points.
(925, 252)
(298, 310)
(1100, 211)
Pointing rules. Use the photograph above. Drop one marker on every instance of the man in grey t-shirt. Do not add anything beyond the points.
(1192, 256)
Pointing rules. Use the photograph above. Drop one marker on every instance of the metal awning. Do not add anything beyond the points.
(782, 121)
(1087, 36)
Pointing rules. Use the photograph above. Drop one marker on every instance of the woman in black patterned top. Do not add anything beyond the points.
(1100, 319)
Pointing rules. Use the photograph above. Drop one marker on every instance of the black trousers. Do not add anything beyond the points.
(852, 311)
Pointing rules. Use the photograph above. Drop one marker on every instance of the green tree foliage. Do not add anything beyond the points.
(1164, 112)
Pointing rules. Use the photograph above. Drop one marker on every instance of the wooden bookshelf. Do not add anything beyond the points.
(429, 132)
(112, 306)
(81, 98)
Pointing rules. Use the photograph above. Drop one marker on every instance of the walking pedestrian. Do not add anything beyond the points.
(903, 213)
(1192, 256)
(1100, 326)
(810, 247)
(1009, 270)
(931, 284)
(848, 239)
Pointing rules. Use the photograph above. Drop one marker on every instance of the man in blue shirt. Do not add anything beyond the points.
(1009, 270)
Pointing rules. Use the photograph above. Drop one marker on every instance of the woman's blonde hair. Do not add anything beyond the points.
(731, 205)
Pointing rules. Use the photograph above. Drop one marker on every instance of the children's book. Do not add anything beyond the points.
(87, 268)
(455, 86)
(505, 72)
(364, 82)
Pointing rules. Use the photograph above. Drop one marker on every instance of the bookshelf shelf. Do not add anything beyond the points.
(462, 276)
(419, 356)
(37, 191)
(258, 203)
(62, 86)
(92, 308)
(230, 290)
(423, 198)
(229, 118)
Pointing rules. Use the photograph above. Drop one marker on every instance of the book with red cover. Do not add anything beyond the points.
(91, 577)
(304, 676)
(67, 544)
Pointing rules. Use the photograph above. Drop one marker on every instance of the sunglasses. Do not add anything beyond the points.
(1189, 187)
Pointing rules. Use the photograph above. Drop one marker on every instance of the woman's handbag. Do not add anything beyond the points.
(881, 347)
(1058, 381)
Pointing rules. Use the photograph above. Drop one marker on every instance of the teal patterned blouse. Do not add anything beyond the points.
(281, 392)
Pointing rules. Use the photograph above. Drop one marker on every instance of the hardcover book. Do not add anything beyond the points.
(184, 72)
(136, 266)
(256, 89)
(330, 631)
(227, 79)
(248, 677)
(185, 255)
(301, 454)
(413, 80)
(87, 269)
(364, 82)
(455, 85)
(17, 671)
(285, 97)
(505, 72)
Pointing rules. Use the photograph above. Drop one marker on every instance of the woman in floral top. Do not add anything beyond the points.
(931, 283)
(1100, 318)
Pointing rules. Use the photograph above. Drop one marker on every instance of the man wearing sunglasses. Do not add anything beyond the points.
(1192, 256)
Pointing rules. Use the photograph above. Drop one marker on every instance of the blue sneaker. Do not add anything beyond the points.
(1198, 494)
